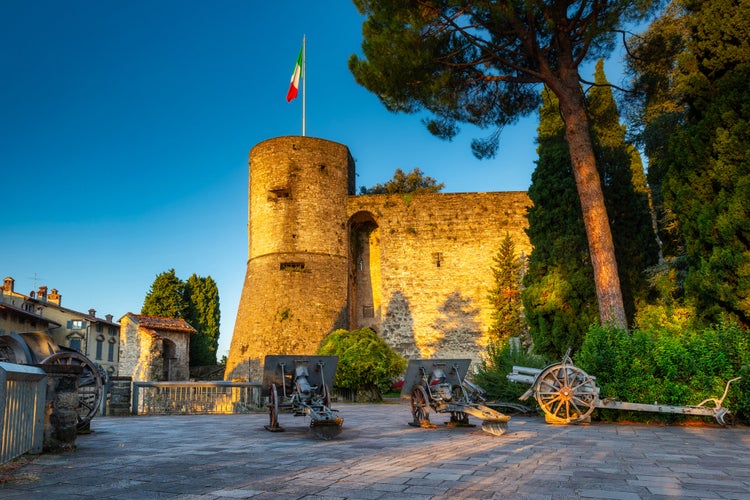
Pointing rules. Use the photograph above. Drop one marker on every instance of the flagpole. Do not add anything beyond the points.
(304, 80)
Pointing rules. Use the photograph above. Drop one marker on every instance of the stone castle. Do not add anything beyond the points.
(414, 267)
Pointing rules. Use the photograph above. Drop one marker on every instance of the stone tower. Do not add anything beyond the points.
(295, 289)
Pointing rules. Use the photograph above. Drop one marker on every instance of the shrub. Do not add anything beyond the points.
(498, 363)
(365, 361)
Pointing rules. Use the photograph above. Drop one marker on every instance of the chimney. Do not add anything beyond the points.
(108, 317)
(8, 284)
(42, 295)
(55, 297)
(92, 312)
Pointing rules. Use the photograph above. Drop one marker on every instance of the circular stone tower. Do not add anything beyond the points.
(295, 289)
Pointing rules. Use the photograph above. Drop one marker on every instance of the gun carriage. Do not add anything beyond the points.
(440, 385)
(38, 348)
(300, 385)
(568, 395)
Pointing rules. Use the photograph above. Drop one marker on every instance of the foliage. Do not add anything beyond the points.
(482, 63)
(365, 360)
(692, 69)
(197, 302)
(202, 313)
(413, 182)
(661, 366)
(559, 297)
(505, 295)
(498, 363)
(166, 297)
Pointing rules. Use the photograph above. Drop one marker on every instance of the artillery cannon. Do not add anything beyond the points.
(440, 385)
(568, 395)
(300, 385)
(38, 348)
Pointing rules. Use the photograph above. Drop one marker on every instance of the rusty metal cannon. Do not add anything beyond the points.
(441, 385)
(38, 348)
(300, 385)
(568, 395)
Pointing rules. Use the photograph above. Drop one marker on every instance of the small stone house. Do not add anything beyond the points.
(154, 349)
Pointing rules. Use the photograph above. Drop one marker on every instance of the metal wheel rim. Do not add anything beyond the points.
(419, 407)
(90, 384)
(566, 394)
(273, 406)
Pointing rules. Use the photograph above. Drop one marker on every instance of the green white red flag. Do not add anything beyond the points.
(294, 84)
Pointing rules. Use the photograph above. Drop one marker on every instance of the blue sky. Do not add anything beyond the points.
(126, 127)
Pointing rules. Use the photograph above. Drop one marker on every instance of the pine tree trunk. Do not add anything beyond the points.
(595, 219)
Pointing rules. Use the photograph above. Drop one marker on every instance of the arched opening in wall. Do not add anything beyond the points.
(365, 307)
(169, 359)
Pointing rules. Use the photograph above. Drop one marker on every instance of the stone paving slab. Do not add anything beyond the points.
(379, 456)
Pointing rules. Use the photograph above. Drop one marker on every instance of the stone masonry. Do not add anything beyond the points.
(415, 268)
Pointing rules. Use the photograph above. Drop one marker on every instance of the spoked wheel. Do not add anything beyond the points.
(567, 394)
(273, 410)
(90, 383)
(420, 407)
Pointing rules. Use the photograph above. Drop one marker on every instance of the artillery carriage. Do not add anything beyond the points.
(38, 348)
(300, 385)
(568, 395)
(441, 385)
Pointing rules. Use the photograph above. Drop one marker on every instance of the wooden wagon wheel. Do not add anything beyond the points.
(273, 409)
(420, 407)
(567, 394)
(90, 383)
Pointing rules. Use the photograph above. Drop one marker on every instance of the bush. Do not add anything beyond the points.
(365, 362)
(498, 363)
(674, 368)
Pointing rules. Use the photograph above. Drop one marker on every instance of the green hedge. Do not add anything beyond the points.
(668, 368)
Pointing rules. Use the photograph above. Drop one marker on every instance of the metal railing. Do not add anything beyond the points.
(23, 392)
(187, 398)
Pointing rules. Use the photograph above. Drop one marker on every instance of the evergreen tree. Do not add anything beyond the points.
(625, 193)
(166, 297)
(203, 314)
(505, 295)
(197, 302)
(413, 182)
(691, 70)
(559, 297)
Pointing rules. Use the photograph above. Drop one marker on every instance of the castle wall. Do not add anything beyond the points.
(428, 262)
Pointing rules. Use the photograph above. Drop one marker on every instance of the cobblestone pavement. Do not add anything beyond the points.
(379, 456)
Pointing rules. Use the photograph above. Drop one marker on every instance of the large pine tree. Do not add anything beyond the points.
(560, 298)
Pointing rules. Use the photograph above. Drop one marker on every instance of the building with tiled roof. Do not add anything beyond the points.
(154, 348)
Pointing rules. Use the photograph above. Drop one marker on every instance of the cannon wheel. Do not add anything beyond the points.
(567, 394)
(420, 407)
(90, 383)
(273, 410)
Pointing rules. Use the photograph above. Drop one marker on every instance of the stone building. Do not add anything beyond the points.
(154, 349)
(415, 268)
(96, 338)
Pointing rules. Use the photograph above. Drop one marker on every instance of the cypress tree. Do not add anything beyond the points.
(166, 297)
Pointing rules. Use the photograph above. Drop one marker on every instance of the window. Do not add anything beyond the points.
(75, 344)
(99, 328)
(437, 258)
(292, 266)
(76, 324)
(99, 346)
(278, 193)
(111, 353)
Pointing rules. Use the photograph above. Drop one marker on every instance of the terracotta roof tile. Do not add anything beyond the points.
(160, 323)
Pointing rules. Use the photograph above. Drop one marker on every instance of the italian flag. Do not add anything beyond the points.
(294, 84)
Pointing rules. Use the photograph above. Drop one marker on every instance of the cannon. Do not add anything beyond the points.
(38, 348)
(300, 385)
(568, 395)
(441, 385)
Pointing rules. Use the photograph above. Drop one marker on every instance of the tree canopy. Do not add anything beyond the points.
(413, 182)
(481, 62)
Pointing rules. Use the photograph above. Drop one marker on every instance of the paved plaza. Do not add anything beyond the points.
(379, 456)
